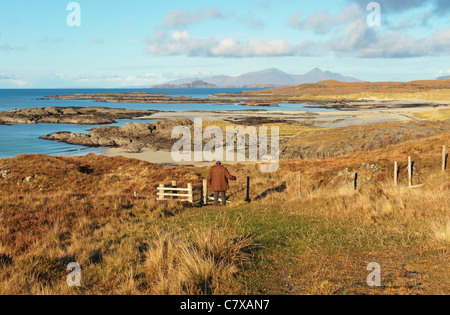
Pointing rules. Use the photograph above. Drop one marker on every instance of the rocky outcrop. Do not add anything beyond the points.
(70, 115)
(133, 137)
(141, 97)
(4, 173)
(338, 142)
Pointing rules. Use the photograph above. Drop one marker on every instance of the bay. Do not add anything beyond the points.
(25, 139)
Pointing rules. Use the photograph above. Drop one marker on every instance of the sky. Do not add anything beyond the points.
(138, 43)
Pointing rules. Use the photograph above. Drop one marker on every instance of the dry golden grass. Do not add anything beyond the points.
(196, 265)
(285, 130)
(432, 95)
(441, 231)
(84, 209)
(332, 233)
(340, 88)
(434, 115)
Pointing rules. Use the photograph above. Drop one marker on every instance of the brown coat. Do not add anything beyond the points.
(218, 178)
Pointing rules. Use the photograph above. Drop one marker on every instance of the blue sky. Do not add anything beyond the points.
(142, 43)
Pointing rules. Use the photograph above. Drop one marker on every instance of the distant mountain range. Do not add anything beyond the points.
(269, 78)
(444, 78)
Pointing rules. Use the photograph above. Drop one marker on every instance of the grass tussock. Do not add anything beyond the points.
(441, 231)
(196, 265)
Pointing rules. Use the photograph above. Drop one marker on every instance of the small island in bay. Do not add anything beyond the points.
(197, 84)
(71, 115)
(139, 97)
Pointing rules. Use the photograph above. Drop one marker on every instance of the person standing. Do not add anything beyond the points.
(218, 181)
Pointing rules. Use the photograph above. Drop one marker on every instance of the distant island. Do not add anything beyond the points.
(197, 84)
(269, 78)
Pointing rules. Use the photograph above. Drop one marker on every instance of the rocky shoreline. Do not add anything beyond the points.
(149, 98)
(139, 97)
(311, 144)
(132, 138)
(223, 98)
(71, 115)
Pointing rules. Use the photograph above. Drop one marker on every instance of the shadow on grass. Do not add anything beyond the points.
(278, 189)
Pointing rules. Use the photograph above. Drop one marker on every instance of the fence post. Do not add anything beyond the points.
(248, 189)
(161, 192)
(191, 192)
(444, 159)
(356, 181)
(395, 174)
(205, 191)
(299, 184)
(410, 172)
(174, 185)
(346, 177)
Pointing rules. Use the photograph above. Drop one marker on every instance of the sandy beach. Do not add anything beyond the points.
(327, 119)
(165, 158)
(314, 119)
(160, 157)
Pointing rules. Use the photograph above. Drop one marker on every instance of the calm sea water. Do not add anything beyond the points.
(24, 139)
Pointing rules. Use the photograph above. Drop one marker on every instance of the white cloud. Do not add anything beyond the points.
(181, 35)
(7, 47)
(356, 40)
(182, 18)
(439, 7)
(232, 47)
(179, 43)
(12, 80)
(251, 21)
(178, 19)
(351, 36)
(182, 43)
(323, 22)
(360, 41)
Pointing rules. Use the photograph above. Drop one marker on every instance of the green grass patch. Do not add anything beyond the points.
(434, 115)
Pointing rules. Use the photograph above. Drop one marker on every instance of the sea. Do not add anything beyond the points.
(20, 139)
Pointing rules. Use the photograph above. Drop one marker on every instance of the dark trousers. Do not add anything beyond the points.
(222, 195)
